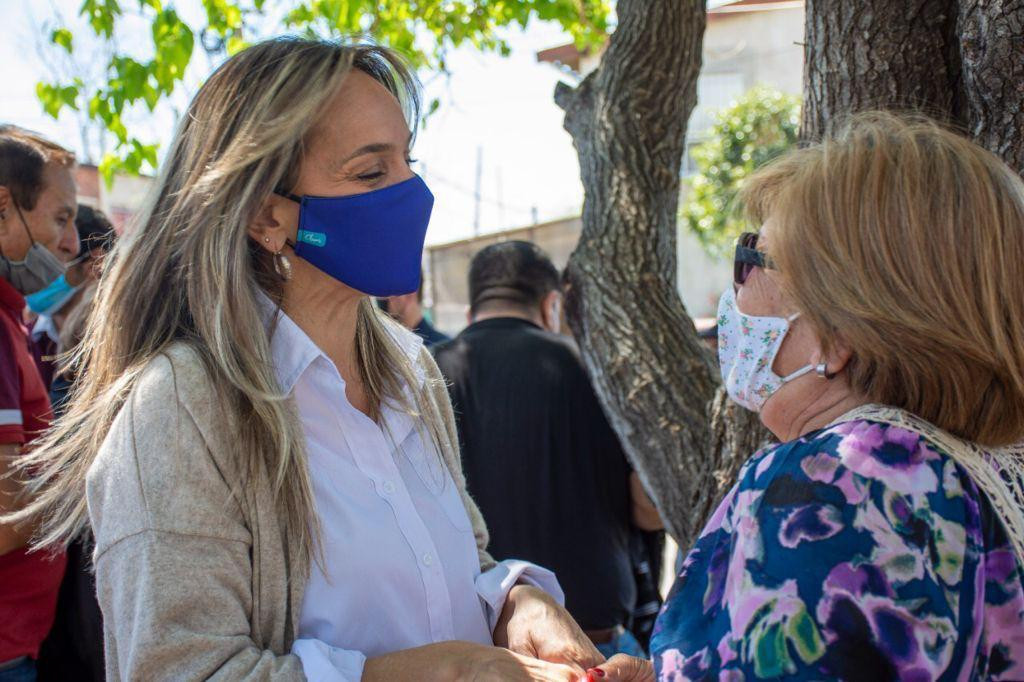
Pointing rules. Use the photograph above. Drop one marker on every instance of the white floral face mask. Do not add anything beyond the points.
(747, 346)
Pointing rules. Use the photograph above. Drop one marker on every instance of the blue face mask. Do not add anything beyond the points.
(52, 297)
(372, 242)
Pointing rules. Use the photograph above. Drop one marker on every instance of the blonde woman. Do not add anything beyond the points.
(270, 465)
(877, 326)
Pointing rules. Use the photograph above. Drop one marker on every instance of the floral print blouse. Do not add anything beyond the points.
(857, 552)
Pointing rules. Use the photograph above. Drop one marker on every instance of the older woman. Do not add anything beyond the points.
(271, 466)
(877, 325)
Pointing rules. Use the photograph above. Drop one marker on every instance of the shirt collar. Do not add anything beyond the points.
(292, 351)
(44, 325)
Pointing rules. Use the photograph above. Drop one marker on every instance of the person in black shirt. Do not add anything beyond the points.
(539, 455)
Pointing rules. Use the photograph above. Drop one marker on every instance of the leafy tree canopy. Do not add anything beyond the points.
(756, 128)
(424, 30)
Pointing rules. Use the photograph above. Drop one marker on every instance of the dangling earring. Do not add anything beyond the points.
(282, 266)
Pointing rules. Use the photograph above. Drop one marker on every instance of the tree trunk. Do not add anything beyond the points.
(651, 372)
(991, 43)
(879, 54)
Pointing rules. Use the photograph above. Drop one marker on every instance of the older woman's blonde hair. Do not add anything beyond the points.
(903, 242)
(188, 273)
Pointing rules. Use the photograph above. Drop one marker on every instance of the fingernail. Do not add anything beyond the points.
(595, 672)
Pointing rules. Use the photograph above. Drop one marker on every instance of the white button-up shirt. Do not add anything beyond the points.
(400, 565)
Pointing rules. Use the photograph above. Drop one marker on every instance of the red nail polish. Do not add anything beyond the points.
(595, 672)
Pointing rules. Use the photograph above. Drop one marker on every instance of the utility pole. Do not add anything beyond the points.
(501, 202)
(476, 190)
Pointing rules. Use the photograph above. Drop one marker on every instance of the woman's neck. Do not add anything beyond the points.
(326, 311)
(789, 419)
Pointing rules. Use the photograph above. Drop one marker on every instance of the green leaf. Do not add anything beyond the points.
(63, 38)
(101, 15)
(236, 44)
(109, 166)
(56, 97)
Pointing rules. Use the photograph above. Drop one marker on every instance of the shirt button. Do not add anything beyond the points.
(427, 559)
(389, 487)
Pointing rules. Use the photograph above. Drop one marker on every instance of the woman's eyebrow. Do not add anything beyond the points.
(373, 148)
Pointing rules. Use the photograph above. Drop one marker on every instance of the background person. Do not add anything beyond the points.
(37, 236)
(59, 302)
(540, 458)
(270, 464)
(74, 648)
(880, 336)
(408, 310)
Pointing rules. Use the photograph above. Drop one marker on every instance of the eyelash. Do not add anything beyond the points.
(370, 177)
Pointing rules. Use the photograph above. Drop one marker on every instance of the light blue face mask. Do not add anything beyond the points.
(52, 297)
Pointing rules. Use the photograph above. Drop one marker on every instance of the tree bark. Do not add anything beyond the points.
(880, 54)
(991, 43)
(651, 372)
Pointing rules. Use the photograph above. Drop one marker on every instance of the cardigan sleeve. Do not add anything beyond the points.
(173, 565)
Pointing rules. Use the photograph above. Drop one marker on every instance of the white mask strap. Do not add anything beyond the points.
(797, 374)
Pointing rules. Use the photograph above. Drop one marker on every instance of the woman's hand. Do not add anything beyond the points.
(622, 668)
(465, 662)
(494, 664)
(534, 625)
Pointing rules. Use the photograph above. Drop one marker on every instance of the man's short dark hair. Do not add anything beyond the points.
(515, 272)
(95, 230)
(23, 158)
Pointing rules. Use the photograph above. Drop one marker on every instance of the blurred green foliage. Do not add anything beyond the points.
(424, 31)
(756, 128)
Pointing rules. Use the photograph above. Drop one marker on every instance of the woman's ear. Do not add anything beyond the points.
(837, 358)
(275, 224)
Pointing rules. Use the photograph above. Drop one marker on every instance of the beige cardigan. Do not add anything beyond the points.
(196, 582)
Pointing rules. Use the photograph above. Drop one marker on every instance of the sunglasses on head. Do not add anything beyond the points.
(748, 257)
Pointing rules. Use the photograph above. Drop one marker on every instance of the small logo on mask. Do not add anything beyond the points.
(313, 238)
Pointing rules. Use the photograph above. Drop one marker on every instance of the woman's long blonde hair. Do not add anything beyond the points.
(189, 274)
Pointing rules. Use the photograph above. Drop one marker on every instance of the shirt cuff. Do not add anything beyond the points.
(323, 662)
(493, 586)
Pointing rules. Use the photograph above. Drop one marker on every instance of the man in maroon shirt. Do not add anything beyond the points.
(37, 235)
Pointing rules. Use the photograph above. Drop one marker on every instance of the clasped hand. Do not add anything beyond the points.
(547, 644)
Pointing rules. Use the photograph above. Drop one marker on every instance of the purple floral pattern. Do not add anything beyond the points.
(858, 553)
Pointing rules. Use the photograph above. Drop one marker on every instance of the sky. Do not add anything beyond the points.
(496, 112)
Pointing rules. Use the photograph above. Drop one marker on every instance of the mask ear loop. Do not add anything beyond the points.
(24, 223)
(797, 374)
(821, 369)
(21, 216)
